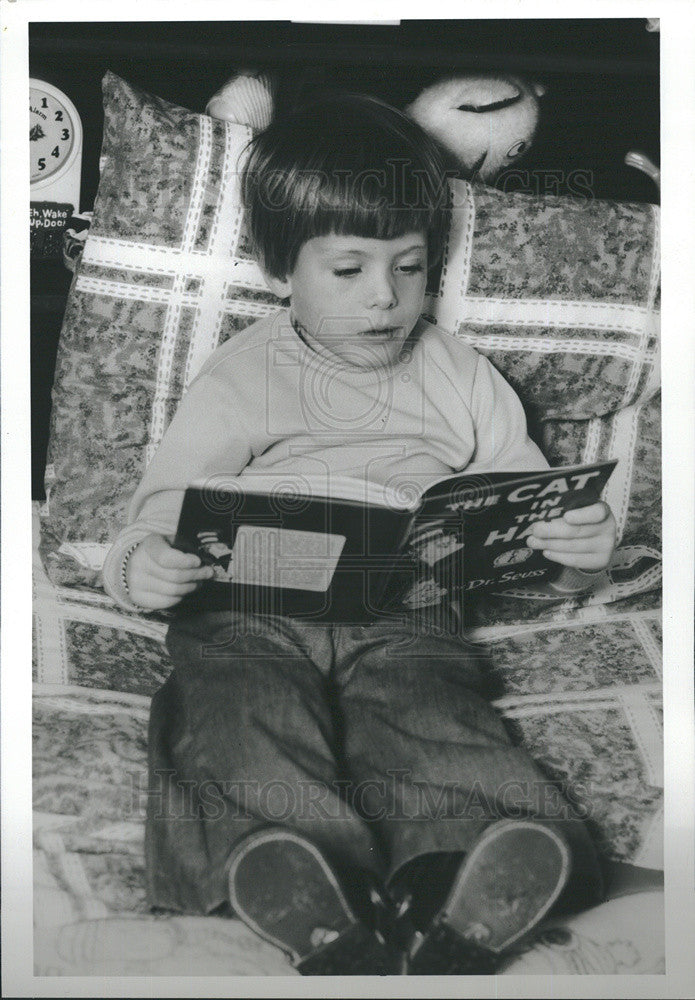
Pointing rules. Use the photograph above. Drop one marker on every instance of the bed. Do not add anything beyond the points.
(562, 294)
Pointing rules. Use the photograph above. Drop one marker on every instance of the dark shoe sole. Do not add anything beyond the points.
(504, 888)
(283, 888)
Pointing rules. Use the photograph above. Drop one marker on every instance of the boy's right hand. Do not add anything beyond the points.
(159, 576)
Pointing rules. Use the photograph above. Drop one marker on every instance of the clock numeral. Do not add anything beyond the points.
(44, 102)
(56, 152)
(59, 116)
(66, 134)
(42, 163)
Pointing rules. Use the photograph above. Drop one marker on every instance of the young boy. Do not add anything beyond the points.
(346, 788)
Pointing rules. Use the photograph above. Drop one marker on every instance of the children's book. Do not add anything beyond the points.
(285, 546)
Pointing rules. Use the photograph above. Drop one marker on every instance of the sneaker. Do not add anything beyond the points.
(284, 889)
(505, 886)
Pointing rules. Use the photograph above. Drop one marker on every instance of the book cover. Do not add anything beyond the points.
(363, 552)
(279, 550)
(470, 532)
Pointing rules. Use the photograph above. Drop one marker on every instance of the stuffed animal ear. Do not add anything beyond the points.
(246, 98)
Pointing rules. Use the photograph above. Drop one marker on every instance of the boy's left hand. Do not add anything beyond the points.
(583, 538)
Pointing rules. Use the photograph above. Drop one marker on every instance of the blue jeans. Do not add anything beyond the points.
(375, 741)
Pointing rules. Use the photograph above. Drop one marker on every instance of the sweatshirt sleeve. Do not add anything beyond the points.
(502, 441)
(205, 437)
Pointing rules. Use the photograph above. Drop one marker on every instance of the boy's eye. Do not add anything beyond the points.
(348, 272)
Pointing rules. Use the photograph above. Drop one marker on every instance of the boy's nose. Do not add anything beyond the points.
(382, 292)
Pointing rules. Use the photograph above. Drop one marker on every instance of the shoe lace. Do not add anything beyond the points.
(322, 935)
(381, 912)
(403, 932)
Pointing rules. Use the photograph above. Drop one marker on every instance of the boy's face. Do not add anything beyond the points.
(358, 297)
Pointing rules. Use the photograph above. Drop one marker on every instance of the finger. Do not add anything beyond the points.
(578, 560)
(153, 602)
(180, 575)
(167, 588)
(599, 546)
(168, 557)
(559, 528)
(593, 514)
(163, 589)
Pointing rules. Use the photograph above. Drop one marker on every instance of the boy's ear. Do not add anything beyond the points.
(282, 287)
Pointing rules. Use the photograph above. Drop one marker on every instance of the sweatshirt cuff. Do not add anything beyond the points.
(113, 570)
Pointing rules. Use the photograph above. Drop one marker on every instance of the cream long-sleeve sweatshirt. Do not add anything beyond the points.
(267, 402)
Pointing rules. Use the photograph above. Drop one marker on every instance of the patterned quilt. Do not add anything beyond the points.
(583, 693)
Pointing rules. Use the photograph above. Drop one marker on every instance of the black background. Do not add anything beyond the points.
(602, 76)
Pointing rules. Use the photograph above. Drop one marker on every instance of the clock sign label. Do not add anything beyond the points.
(55, 150)
(46, 224)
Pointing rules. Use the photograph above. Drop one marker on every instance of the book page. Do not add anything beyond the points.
(283, 486)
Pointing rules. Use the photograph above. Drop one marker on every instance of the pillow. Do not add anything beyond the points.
(165, 276)
(560, 294)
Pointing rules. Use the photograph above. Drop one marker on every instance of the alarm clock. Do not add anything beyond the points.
(55, 145)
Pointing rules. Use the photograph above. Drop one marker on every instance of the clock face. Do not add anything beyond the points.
(52, 131)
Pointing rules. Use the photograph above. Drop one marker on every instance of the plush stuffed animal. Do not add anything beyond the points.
(485, 123)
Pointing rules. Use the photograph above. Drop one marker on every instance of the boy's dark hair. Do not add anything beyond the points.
(346, 164)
